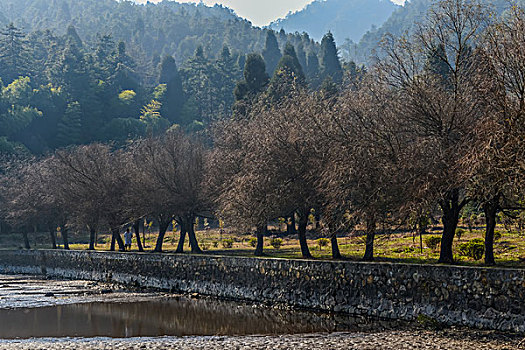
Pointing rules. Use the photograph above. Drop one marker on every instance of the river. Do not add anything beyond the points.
(50, 314)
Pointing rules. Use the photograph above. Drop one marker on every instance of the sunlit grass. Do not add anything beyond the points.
(399, 247)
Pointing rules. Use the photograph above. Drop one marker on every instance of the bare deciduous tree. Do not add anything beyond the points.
(168, 175)
(438, 103)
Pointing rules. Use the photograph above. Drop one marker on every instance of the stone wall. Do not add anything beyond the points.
(475, 297)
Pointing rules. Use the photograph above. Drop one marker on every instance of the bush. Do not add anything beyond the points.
(460, 232)
(433, 242)
(276, 243)
(473, 249)
(322, 242)
(253, 242)
(227, 243)
(497, 235)
(403, 250)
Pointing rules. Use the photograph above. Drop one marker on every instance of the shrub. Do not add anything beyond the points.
(460, 232)
(322, 242)
(253, 242)
(403, 250)
(276, 243)
(497, 235)
(433, 242)
(227, 243)
(473, 249)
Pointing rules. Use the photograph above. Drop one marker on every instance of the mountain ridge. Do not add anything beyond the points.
(344, 18)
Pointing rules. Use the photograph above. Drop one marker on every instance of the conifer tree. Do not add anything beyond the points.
(313, 70)
(271, 52)
(255, 78)
(69, 128)
(72, 34)
(174, 99)
(330, 64)
(14, 54)
(288, 76)
(227, 75)
(301, 55)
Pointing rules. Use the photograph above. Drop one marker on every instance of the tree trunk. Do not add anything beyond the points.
(491, 210)
(115, 237)
(451, 208)
(370, 236)
(261, 229)
(26, 240)
(163, 227)
(191, 235)
(303, 222)
(336, 254)
(290, 227)
(92, 234)
(182, 238)
(53, 237)
(136, 228)
(65, 238)
(113, 241)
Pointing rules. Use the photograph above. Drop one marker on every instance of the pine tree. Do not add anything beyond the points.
(330, 64)
(288, 76)
(255, 78)
(71, 34)
(105, 57)
(124, 77)
(293, 63)
(301, 55)
(227, 74)
(271, 52)
(174, 99)
(71, 71)
(14, 54)
(313, 70)
(69, 128)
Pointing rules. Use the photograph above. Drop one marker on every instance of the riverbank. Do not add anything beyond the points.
(32, 306)
(454, 296)
(388, 340)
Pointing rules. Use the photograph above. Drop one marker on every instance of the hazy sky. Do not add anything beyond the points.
(259, 12)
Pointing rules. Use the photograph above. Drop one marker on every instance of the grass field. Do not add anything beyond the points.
(401, 246)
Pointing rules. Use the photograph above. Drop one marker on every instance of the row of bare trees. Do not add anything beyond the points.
(97, 187)
(436, 123)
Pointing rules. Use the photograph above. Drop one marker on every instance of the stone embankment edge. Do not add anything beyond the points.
(453, 295)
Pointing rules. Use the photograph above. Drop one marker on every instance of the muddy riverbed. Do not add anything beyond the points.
(49, 314)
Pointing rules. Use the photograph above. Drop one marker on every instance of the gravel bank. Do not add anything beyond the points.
(421, 340)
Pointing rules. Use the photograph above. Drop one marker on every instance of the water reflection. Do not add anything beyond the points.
(173, 317)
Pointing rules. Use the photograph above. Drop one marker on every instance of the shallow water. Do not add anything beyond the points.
(174, 317)
(33, 308)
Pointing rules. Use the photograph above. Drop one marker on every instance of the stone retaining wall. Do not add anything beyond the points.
(468, 296)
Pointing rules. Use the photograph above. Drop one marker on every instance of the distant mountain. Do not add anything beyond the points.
(346, 19)
(404, 19)
(401, 20)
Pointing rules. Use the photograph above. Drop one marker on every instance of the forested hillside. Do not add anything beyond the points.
(149, 30)
(80, 71)
(346, 19)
